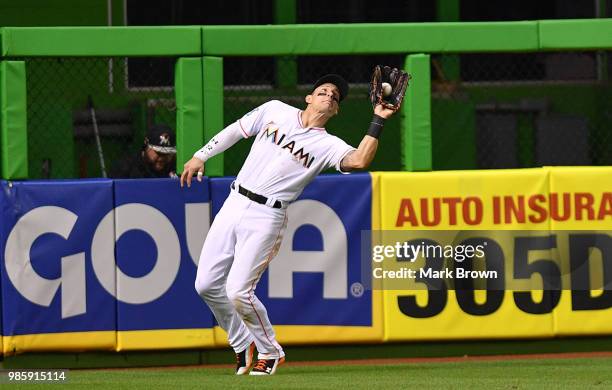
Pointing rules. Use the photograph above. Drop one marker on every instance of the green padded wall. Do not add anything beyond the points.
(13, 120)
(189, 102)
(101, 41)
(575, 34)
(360, 38)
(416, 115)
(212, 70)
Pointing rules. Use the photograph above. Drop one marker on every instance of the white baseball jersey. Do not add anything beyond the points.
(245, 235)
(285, 155)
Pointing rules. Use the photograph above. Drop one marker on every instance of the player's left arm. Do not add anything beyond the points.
(362, 157)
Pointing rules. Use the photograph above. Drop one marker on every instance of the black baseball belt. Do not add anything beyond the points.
(256, 197)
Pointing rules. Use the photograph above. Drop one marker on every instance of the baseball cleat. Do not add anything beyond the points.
(244, 360)
(266, 366)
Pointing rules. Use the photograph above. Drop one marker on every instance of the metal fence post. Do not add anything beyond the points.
(286, 66)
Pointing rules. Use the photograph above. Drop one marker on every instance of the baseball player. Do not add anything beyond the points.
(291, 147)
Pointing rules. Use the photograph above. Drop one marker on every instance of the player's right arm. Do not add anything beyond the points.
(245, 127)
(217, 144)
(361, 157)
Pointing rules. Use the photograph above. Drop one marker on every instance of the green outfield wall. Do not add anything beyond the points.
(13, 119)
(291, 40)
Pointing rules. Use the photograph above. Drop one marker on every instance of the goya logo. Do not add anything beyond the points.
(331, 261)
(72, 281)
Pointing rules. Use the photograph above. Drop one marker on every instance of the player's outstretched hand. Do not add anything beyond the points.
(383, 111)
(191, 167)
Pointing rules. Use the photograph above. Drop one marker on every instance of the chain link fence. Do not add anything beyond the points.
(126, 96)
(497, 110)
(494, 110)
(519, 110)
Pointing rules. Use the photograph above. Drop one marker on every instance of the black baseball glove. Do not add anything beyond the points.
(398, 79)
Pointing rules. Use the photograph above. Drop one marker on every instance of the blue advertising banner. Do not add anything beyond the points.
(160, 229)
(314, 279)
(107, 260)
(48, 229)
(102, 264)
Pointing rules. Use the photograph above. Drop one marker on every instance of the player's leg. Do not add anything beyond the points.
(213, 267)
(258, 239)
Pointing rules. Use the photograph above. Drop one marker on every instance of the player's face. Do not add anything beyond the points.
(326, 97)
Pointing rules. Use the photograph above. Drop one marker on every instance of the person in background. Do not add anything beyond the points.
(156, 159)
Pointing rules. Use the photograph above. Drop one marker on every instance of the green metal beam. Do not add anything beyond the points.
(449, 11)
(117, 12)
(212, 70)
(416, 115)
(13, 120)
(285, 12)
(602, 55)
(286, 67)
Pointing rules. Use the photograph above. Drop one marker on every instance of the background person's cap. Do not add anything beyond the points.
(335, 79)
(161, 138)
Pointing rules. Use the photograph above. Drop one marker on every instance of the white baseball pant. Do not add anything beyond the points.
(241, 242)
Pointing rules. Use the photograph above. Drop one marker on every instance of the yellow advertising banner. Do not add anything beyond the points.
(449, 315)
(66, 341)
(586, 196)
(465, 200)
(128, 340)
(516, 281)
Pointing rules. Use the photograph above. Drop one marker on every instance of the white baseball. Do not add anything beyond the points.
(386, 89)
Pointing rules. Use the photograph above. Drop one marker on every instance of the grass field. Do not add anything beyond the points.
(581, 373)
